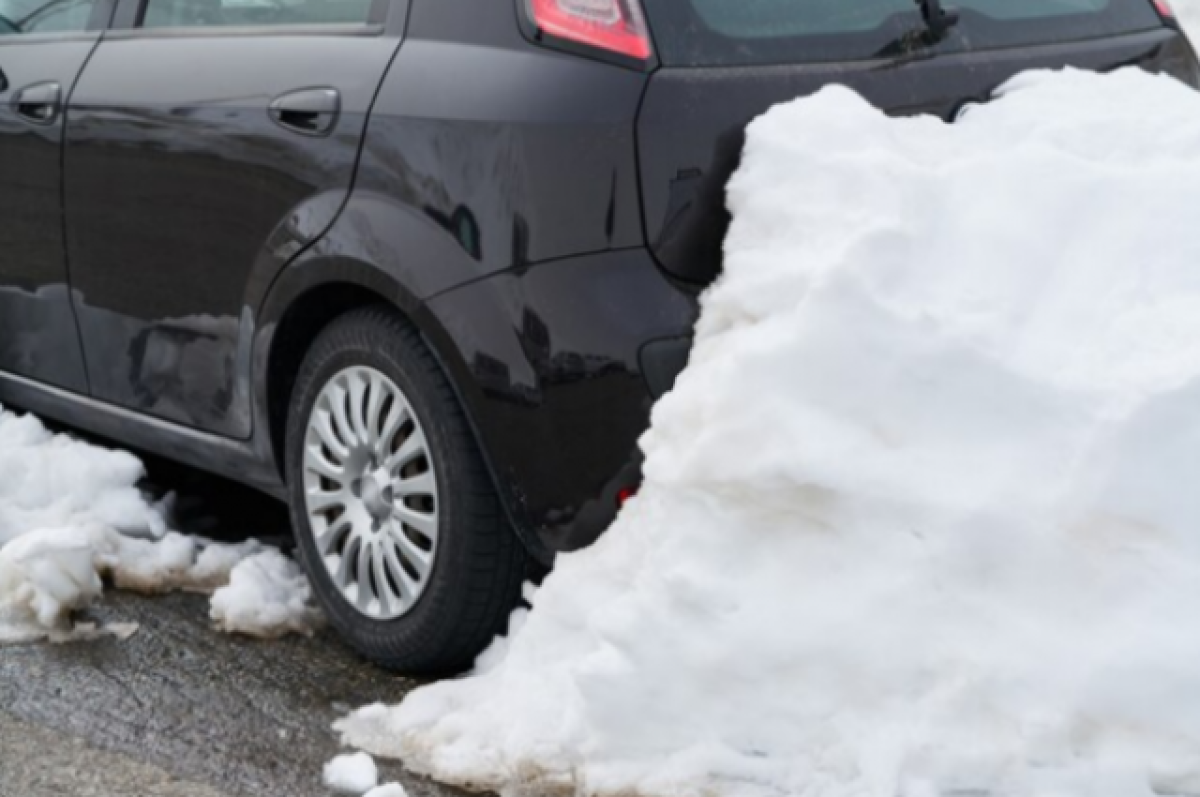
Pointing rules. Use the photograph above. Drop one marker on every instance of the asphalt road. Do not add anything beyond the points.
(179, 710)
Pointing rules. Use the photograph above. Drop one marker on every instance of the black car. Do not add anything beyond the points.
(421, 267)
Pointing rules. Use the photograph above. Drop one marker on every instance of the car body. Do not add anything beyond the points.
(192, 191)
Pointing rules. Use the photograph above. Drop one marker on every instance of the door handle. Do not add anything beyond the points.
(309, 112)
(38, 104)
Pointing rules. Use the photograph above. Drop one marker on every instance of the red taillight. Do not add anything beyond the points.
(624, 495)
(1164, 9)
(618, 26)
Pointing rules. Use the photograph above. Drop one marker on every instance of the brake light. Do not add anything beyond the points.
(618, 26)
(1164, 9)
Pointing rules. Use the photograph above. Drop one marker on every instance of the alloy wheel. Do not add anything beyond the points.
(371, 492)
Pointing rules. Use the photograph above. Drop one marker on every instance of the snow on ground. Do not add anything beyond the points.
(354, 773)
(387, 790)
(55, 481)
(922, 515)
(71, 513)
(42, 578)
(268, 595)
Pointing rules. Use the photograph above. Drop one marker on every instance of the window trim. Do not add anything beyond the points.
(126, 24)
(56, 37)
(366, 29)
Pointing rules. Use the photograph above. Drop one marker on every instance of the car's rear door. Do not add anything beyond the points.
(723, 63)
(209, 141)
(43, 46)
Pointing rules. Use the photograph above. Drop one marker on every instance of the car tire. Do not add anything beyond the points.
(478, 562)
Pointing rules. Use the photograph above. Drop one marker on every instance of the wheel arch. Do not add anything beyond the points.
(305, 298)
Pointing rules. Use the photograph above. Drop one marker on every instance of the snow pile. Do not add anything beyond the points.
(42, 578)
(922, 516)
(53, 481)
(71, 513)
(268, 595)
(46, 574)
(354, 773)
(215, 564)
(175, 563)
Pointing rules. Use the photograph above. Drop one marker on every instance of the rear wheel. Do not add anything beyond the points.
(397, 523)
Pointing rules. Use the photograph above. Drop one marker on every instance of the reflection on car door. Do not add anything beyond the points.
(43, 46)
(208, 139)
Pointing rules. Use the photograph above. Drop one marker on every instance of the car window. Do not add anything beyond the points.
(720, 32)
(783, 18)
(22, 17)
(241, 13)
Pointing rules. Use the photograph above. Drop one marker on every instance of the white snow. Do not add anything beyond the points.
(42, 577)
(1189, 16)
(922, 517)
(71, 513)
(52, 481)
(387, 790)
(215, 564)
(352, 773)
(268, 595)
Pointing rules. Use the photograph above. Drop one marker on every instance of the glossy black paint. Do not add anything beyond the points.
(179, 183)
(38, 338)
(691, 129)
(244, 461)
(548, 361)
(518, 204)
(486, 153)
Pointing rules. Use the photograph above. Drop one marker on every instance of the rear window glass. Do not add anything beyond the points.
(731, 32)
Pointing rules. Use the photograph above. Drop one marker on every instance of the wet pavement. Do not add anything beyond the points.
(179, 710)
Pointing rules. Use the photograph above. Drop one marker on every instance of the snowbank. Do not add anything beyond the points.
(71, 513)
(922, 515)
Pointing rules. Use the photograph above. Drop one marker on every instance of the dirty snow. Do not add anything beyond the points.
(71, 513)
(42, 578)
(268, 595)
(922, 515)
(352, 773)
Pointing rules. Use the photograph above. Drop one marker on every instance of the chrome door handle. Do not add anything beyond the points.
(309, 112)
(39, 104)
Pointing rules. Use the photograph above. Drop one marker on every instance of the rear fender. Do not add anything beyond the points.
(320, 268)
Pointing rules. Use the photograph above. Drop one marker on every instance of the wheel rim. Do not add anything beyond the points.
(371, 493)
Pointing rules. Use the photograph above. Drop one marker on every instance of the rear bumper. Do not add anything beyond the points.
(558, 366)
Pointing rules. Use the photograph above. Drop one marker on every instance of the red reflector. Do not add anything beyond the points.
(618, 26)
(1164, 9)
(624, 494)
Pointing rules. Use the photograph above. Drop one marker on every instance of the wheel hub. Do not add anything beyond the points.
(375, 492)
